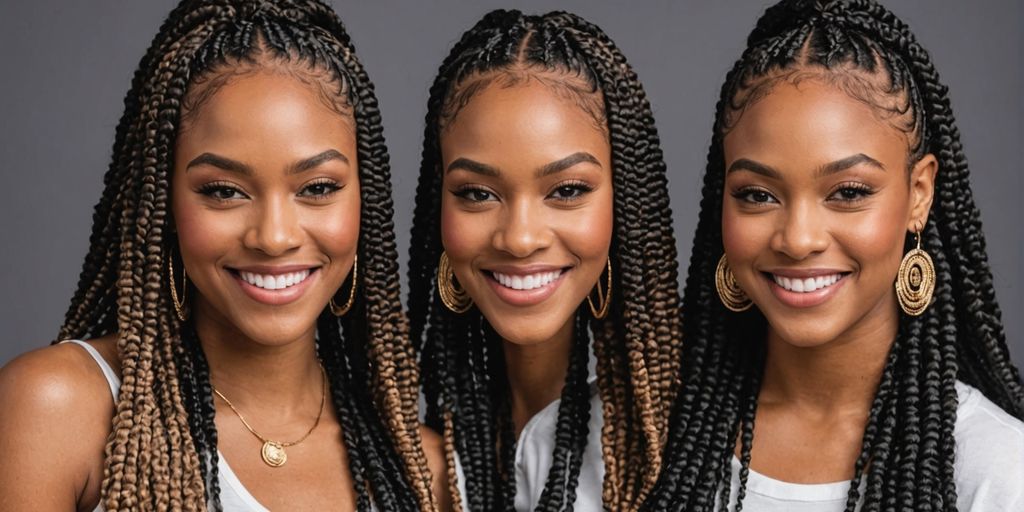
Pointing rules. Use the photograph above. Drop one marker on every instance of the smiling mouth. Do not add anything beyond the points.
(526, 282)
(808, 284)
(274, 281)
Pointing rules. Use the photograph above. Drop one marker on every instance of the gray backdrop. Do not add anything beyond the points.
(68, 64)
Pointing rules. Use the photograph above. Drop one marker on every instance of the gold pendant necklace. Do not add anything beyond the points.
(273, 451)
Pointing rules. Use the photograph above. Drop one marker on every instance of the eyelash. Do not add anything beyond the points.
(863, 192)
(744, 194)
(466, 193)
(212, 189)
(578, 188)
(215, 189)
(331, 186)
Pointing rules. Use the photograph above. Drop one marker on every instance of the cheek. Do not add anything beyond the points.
(463, 234)
(744, 236)
(203, 234)
(336, 229)
(875, 241)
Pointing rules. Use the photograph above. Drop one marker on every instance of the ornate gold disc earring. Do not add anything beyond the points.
(604, 298)
(733, 297)
(344, 308)
(453, 297)
(915, 281)
(179, 303)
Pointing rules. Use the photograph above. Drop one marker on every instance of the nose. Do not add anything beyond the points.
(523, 230)
(274, 228)
(802, 232)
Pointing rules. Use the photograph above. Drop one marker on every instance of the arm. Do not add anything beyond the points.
(55, 411)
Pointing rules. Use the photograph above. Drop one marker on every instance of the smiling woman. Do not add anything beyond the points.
(858, 361)
(541, 222)
(240, 298)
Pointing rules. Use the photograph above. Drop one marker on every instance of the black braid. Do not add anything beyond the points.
(637, 345)
(909, 434)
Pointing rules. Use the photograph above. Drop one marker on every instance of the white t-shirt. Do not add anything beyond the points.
(989, 467)
(533, 457)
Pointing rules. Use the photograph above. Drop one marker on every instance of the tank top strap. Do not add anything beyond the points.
(108, 372)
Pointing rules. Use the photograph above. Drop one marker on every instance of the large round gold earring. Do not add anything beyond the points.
(453, 297)
(733, 297)
(344, 308)
(915, 281)
(179, 302)
(604, 298)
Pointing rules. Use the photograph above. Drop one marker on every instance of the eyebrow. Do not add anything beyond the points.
(545, 170)
(228, 164)
(746, 164)
(567, 162)
(846, 163)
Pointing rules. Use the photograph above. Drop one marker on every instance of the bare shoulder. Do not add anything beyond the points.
(56, 416)
(433, 448)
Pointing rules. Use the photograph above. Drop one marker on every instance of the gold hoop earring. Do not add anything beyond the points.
(732, 296)
(344, 308)
(604, 298)
(454, 298)
(915, 281)
(179, 303)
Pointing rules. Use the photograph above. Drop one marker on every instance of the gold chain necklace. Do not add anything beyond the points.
(273, 451)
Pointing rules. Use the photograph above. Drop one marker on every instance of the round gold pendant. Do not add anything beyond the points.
(273, 454)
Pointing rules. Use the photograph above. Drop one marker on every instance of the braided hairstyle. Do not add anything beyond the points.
(162, 453)
(637, 346)
(908, 440)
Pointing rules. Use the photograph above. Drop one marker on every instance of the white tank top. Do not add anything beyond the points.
(233, 495)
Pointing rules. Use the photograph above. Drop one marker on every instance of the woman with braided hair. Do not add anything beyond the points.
(240, 295)
(542, 222)
(811, 382)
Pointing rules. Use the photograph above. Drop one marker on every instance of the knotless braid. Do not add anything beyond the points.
(162, 453)
(908, 447)
(637, 346)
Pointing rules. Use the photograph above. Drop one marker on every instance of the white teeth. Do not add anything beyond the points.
(528, 282)
(806, 285)
(274, 282)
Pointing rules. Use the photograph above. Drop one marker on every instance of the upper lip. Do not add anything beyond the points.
(803, 273)
(524, 270)
(274, 269)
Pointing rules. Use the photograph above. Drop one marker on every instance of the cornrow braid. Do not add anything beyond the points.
(162, 453)
(637, 346)
(865, 50)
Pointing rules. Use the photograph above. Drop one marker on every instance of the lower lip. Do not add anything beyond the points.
(523, 298)
(805, 300)
(277, 297)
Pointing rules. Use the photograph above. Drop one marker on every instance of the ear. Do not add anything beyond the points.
(922, 191)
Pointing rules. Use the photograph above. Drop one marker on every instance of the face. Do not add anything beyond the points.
(818, 199)
(526, 209)
(266, 202)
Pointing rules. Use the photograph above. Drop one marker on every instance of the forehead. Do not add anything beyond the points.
(266, 121)
(810, 122)
(529, 113)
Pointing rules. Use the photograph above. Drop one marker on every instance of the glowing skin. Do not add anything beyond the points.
(818, 197)
(289, 207)
(527, 201)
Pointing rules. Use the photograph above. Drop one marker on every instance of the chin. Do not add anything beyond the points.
(525, 332)
(808, 335)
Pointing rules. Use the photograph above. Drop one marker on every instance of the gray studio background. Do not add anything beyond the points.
(68, 64)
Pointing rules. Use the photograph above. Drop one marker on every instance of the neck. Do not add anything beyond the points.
(283, 377)
(536, 374)
(835, 377)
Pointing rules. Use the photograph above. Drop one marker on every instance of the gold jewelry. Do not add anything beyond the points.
(454, 298)
(179, 304)
(273, 451)
(344, 308)
(732, 296)
(604, 298)
(915, 281)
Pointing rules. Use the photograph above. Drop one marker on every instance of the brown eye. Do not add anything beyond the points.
(570, 191)
(474, 194)
(754, 196)
(221, 192)
(320, 189)
(851, 193)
